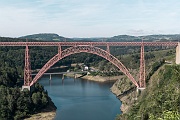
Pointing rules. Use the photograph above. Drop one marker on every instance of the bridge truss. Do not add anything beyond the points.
(89, 47)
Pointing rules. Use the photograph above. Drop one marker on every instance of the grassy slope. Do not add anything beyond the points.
(161, 95)
(134, 109)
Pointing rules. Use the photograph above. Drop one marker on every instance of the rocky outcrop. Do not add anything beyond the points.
(126, 92)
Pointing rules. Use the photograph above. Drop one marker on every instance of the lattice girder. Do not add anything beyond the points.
(27, 68)
(87, 49)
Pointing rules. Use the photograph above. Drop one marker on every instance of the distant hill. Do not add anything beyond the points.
(173, 37)
(46, 37)
(97, 39)
(118, 38)
(121, 38)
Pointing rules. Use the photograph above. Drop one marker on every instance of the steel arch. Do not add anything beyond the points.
(87, 49)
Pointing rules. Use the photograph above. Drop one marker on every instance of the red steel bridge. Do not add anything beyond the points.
(88, 47)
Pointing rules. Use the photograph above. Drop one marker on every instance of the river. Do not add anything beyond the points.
(78, 99)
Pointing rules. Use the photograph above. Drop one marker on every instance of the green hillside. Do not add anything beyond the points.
(161, 98)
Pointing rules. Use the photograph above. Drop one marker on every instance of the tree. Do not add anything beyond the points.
(167, 115)
(36, 98)
(44, 99)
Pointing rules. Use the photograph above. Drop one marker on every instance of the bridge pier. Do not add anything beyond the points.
(141, 88)
(178, 53)
(50, 77)
(26, 87)
(63, 77)
(142, 82)
(27, 70)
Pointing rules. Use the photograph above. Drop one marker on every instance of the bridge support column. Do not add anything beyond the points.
(178, 54)
(142, 82)
(59, 51)
(108, 49)
(50, 77)
(63, 77)
(136, 94)
(27, 70)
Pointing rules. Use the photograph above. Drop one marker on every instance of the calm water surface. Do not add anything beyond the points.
(78, 99)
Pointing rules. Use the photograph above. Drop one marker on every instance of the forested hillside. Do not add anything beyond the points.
(14, 103)
(161, 98)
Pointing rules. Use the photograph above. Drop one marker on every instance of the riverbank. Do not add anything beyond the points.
(100, 78)
(96, 78)
(125, 92)
(47, 113)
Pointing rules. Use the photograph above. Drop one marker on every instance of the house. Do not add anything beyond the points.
(85, 68)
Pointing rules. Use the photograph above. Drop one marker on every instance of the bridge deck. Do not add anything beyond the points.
(88, 43)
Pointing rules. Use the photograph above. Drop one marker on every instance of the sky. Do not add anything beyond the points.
(89, 18)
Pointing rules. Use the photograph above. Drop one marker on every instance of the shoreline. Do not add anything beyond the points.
(114, 89)
(96, 78)
(125, 93)
(101, 79)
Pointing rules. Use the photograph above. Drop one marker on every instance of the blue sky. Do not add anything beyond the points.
(89, 18)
